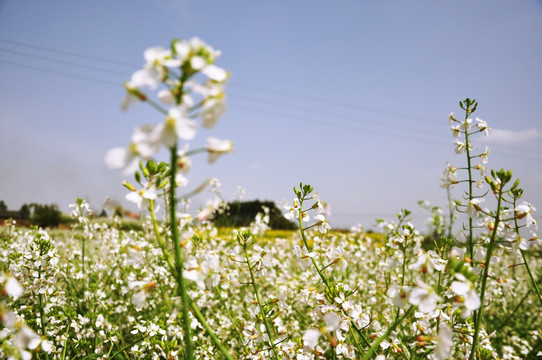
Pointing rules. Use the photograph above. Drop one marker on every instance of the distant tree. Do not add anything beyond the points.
(45, 215)
(25, 212)
(3, 206)
(242, 213)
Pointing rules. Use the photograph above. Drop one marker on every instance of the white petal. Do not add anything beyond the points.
(165, 97)
(186, 129)
(444, 344)
(117, 158)
(332, 321)
(215, 73)
(12, 288)
(460, 287)
(310, 338)
(197, 63)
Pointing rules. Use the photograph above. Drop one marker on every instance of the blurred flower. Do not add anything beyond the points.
(525, 210)
(216, 147)
(310, 338)
(467, 295)
(474, 207)
(177, 125)
(322, 223)
(444, 343)
(142, 196)
(425, 297)
(212, 109)
(482, 126)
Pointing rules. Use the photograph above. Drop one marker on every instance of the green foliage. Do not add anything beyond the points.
(45, 215)
(242, 213)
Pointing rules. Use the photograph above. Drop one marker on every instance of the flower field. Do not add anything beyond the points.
(181, 288)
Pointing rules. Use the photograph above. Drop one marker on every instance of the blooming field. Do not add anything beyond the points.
(179, 288)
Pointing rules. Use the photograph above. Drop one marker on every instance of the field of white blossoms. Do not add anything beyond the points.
(180, 288)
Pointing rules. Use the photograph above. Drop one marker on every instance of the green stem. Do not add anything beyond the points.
(450, 209)
(478, 314)
(160, 240)
(262, 311)
(128, 346)
(386, 335)
(210, 331)
(531, 276)
(525, 259)
(228, 312)
(308, 247)
(179, 264)
(471, 235)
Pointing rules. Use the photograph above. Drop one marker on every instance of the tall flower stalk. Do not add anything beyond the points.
(181, 99)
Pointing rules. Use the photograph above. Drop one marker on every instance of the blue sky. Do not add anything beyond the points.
(352, 97)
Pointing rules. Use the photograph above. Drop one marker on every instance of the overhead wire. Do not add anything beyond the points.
(336, 125)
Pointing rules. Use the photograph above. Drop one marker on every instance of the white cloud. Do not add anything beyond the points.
(507, 137)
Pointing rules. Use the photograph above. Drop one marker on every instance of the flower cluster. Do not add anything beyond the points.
(181, 96)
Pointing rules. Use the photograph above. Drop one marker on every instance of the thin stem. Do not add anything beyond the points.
(377, 343)
(262, 311)
(471, 236)
(210, 331)
(160, 240)
(478, 314)
(179, 264)
(525, 259)
(228, 312)
(531, 276)
(308, 247)
(450, 209)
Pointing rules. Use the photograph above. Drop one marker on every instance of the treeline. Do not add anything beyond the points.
(43, 215)
(242, 213)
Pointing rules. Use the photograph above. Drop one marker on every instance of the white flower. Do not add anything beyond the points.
(399, 295)
(303, 256)
(142, 196)
(332, 320)
(461, 146)
(127, 158)
(456, 131)
(166, 97)
(466, 291)
(466, 125)
(482, 126)
(474, 207)
(293, 211)
(310, 338)
(177, 124)
(525, 210)
(207, 212)
(322, 223)
(484, 155)
(12, 287)
(216, 147)
(215, 73)
(444, 344)
(212, 109)
(424, 297)
(26, 338)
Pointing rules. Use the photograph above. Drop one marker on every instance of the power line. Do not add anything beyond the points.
(64, 62)
(402, 136)
(355, 118)
(82, 56)
(60, 73)
(371, 131)
(336, 103)
(251, 87)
